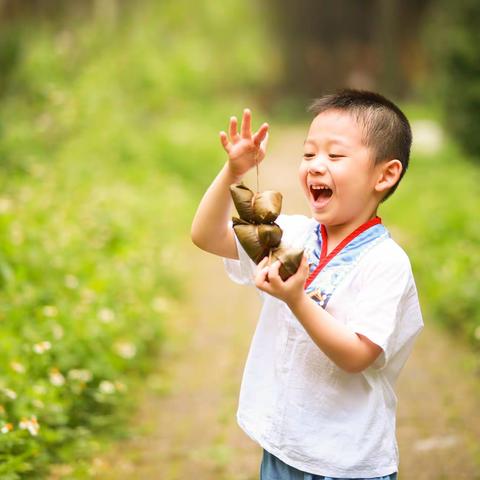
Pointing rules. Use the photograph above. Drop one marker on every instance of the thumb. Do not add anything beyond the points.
(304, 264)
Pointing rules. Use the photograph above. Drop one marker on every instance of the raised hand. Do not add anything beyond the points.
(244, 149)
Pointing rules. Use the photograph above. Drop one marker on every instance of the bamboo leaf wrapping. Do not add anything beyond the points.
(257, 231)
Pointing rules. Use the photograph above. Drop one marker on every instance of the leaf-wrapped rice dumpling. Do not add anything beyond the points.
(289, 259)
(256, 208)
(257, 240)
(257, 232)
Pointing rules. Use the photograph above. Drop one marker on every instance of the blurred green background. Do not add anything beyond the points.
(109, 120)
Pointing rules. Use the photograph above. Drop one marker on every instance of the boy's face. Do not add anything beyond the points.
(337, 173)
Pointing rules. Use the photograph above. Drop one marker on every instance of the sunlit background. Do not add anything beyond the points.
(109, 119)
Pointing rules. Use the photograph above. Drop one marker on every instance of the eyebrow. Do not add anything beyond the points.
(338, 142)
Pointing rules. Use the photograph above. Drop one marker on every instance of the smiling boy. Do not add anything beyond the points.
(318, 387)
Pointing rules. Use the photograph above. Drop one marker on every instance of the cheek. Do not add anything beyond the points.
(302, 176)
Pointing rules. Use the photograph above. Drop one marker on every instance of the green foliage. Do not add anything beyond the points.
(453, 38)
(105, 137)
(435, 210)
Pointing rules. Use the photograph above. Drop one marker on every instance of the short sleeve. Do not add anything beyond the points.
(386, 308)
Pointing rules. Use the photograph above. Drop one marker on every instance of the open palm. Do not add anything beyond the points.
(244, 149)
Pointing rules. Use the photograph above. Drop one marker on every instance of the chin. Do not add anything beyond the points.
(320, 217)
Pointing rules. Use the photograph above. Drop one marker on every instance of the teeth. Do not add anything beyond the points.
(320, 187)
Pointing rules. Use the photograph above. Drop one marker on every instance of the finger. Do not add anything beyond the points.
(263, 262)
(263, 145)
(233, 128)
(274, 274)
(301, 274)
(225, 143)
(304, 266)
(247, 124)
(305, 269)
(261, 134)
(264, 287)
(261, 278)
(262, 269)
(303, 262)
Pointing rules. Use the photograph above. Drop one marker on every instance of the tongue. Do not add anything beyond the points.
(323, 193)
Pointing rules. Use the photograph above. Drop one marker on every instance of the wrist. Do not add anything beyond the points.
(232, 176)
(295, 303)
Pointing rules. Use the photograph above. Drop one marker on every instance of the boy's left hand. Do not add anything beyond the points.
(268, 280)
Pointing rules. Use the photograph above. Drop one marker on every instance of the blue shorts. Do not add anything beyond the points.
(273, 468)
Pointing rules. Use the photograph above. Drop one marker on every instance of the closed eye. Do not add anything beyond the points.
(308, 155)
(333, 155)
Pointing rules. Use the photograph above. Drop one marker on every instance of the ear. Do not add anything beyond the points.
(389, 175)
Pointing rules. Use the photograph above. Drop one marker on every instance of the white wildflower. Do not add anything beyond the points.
(429, 137)
(38, 403)
(40, 389)
(9, 393)
(56, 377)
(42, 347)
(8, 427)
(57, 331)
(80, 374)
(17, 366)
(106, 315)
(106, 387)
(125, 349)
(30, 424)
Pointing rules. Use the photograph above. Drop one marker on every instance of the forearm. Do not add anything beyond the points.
(345, 348)
(209, 226)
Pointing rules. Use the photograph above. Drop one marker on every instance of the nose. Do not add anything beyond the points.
(317, 166)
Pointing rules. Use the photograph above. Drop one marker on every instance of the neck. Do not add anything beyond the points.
(336, 233)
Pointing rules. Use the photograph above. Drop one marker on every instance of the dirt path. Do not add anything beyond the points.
(190, 431)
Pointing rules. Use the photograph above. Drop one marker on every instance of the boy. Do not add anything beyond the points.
(317, 391)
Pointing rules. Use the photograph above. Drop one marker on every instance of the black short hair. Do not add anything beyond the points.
(385, 127)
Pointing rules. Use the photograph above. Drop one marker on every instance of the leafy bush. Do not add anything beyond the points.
(456, 61)
(105, 133)
(435, 212)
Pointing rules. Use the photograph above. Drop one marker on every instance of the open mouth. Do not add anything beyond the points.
(320, 193)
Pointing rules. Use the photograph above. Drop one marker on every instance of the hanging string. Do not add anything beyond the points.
(256, 166)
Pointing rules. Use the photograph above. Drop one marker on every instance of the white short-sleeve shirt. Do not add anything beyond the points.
(295, 402)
